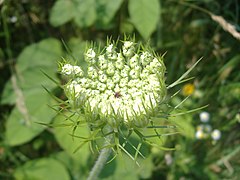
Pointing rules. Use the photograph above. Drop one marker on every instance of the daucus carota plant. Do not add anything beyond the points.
(118, 88)
(122, 91)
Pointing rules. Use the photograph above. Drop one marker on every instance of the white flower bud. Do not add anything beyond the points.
(123, 82)
(102, 78)
(125, 71)
(111, 69)
(145, 58)
(101, 86)
(134, 73)
(110, 84)
(119, 64)
(128, 44)
(133, 62)
(128, 48)
(67, 69)
(110, 49)
(78, 71)
(90, 54)
(92, 72)
(102, 62)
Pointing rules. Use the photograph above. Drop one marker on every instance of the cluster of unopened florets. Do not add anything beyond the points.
(123, 86)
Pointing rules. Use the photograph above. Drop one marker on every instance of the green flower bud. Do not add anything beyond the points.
(134, 61)
(92, 72)
(90, 56)
(68, 70)
(128, 49)
(102, 62)
(110, 69)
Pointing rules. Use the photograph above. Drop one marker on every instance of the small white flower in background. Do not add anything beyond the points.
(205, 127)
(216, 134)
(13, 19)
(200, 134)
(204, 117)
(168, 159)
(203, 131)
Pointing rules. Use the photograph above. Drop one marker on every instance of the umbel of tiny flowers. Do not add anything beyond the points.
(119, 87)
(121, 92)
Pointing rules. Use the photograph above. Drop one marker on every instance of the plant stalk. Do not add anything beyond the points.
(102, 159)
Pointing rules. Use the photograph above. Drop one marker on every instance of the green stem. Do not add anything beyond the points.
(102, 159)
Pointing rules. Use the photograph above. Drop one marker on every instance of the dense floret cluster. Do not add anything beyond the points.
(118, 86)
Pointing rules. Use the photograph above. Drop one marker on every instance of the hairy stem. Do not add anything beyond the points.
(102, 159)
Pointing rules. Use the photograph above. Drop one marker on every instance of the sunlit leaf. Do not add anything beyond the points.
(144, 15)
(69, 141)
(62, 12)
(46, 53)
(26, 92)
(106, 10)
(85, 14)
(21, 128)
(45, 168)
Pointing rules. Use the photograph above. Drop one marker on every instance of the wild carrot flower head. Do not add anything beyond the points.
(121, 92)
(120, 86)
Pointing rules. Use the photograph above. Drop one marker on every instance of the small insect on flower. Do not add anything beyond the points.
(117, 95)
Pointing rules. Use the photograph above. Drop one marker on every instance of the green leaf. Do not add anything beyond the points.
(40, 55)
(21, 128)
(123, 167)
(145, 169)
(62, 12)
(144, 15)
(184, 124)
(8, 95)
(31, 78)
(64, 136)
(75, 168)
(77, 48)
(34, 58)
(106, 10)
(226, 70)
(85, 14)
(25, 89)
(45, 168)
(126, 27)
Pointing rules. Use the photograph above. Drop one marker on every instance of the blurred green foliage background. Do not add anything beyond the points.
(35, 35)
